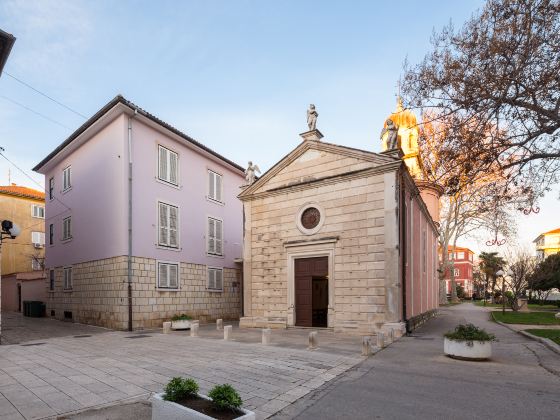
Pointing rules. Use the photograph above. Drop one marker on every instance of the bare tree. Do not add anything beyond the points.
(498, 76)
(522, 265)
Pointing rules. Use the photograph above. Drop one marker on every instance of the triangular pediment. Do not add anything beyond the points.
(316, 160)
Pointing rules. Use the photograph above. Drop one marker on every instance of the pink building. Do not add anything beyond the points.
(142, 223)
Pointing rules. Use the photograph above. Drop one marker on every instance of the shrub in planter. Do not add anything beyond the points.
(225, 397)
(180, 388)
(182, 317)
(468, 342)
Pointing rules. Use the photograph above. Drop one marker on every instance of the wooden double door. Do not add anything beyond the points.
(311, 291)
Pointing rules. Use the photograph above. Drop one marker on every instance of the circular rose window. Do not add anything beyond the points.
(310, 218)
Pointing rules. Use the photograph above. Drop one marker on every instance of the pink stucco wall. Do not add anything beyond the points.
(420, 270)
(30, 290)
(190, 197)
(98, 199)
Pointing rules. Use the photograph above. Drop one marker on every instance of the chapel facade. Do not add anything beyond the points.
(341, 238)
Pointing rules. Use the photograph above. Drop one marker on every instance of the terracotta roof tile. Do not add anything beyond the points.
(19, 191)
(552, 231)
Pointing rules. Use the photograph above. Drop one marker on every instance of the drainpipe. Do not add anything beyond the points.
(129, 271)
(403, 247)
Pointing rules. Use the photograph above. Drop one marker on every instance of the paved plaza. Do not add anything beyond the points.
(47, 377)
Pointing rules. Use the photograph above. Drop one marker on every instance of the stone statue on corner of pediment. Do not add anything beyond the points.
(312, 115)
(392, 134)
(250, 173)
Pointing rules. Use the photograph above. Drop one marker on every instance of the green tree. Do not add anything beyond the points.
(546, 276)
(490, 263)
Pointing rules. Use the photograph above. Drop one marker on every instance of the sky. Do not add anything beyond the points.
(237, 76)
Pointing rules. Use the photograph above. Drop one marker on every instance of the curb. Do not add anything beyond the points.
(546, 341)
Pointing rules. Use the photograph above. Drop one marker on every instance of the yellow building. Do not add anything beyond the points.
(407, 138)
(25, 207)
(547, 243)
(23, 275)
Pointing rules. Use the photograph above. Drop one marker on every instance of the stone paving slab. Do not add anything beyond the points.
(68, 374)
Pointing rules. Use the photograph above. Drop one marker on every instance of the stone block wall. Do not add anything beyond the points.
(100, 294)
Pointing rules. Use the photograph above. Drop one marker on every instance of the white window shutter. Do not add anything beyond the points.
(42, 238)
(219, 279)
(218, 187)
(219, 236)
(163, 225)
(173, 167)
(162, 163)
(211, 185)
(173, 225)
(211, 278)
(173, 276)
(211, 236)
(163, 277)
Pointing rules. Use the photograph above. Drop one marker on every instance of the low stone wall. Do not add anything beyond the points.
(418, 320)
(100, 294)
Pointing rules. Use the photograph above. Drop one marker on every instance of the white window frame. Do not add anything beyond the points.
(168, 265)
(167, 178)
(36, 211)
(213, 250)
(52, 280)
(51, 234)
(35, 264)
(38, 238)
(211, 279)
(51, 188)
(67, 280)
(67, 178)
(456, 272)
(168, 243)
(67, 230)
(212, 183)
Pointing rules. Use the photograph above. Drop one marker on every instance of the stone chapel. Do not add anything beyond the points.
(342, 238)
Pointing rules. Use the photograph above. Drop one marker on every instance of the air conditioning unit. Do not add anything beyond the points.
(38, 245)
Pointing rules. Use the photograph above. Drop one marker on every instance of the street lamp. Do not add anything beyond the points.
(9, 231)
(502, 274)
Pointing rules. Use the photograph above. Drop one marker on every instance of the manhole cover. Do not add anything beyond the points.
(138, 336)
(82, 336)
(32, 344)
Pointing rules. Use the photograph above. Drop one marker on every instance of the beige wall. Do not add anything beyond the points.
(99, 294)
(354, 211)
(17, 253)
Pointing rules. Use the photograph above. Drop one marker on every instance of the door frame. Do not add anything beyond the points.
(321, 248)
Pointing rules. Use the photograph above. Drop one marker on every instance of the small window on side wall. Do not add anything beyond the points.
(215, 237)
(51, 280)
(215, 279)
(51, 188)
(67, 178)
(67, 228)
(168, 165)
(67, 278)
(168, 275)
(37, 211)
(214, 186)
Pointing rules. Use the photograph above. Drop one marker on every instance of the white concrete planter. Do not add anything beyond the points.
(167, 410)
(181, 325)
(467, 350)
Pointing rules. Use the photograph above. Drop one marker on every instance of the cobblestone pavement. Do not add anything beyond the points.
(60, 375)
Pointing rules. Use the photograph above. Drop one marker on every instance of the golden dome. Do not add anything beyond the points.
(402, 117)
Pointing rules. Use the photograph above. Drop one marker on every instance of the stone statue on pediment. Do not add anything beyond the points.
(392, 134)
(312, 115)
(250, 173)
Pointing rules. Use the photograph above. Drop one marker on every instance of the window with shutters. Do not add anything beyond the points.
(215, 237)
(168, 275)
(67, 285)
(36, 264)
(38, 239)
(67, 228)
(37, 211)
(51, 280)
(215, 279)
(215, 186)
(51, 188)
(168, 225)
(51, 234)
(67, 178)
(168, 166)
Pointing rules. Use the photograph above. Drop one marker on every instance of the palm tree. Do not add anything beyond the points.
(490, 263)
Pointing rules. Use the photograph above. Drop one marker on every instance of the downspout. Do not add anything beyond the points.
(129, 268)
(404, 248)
